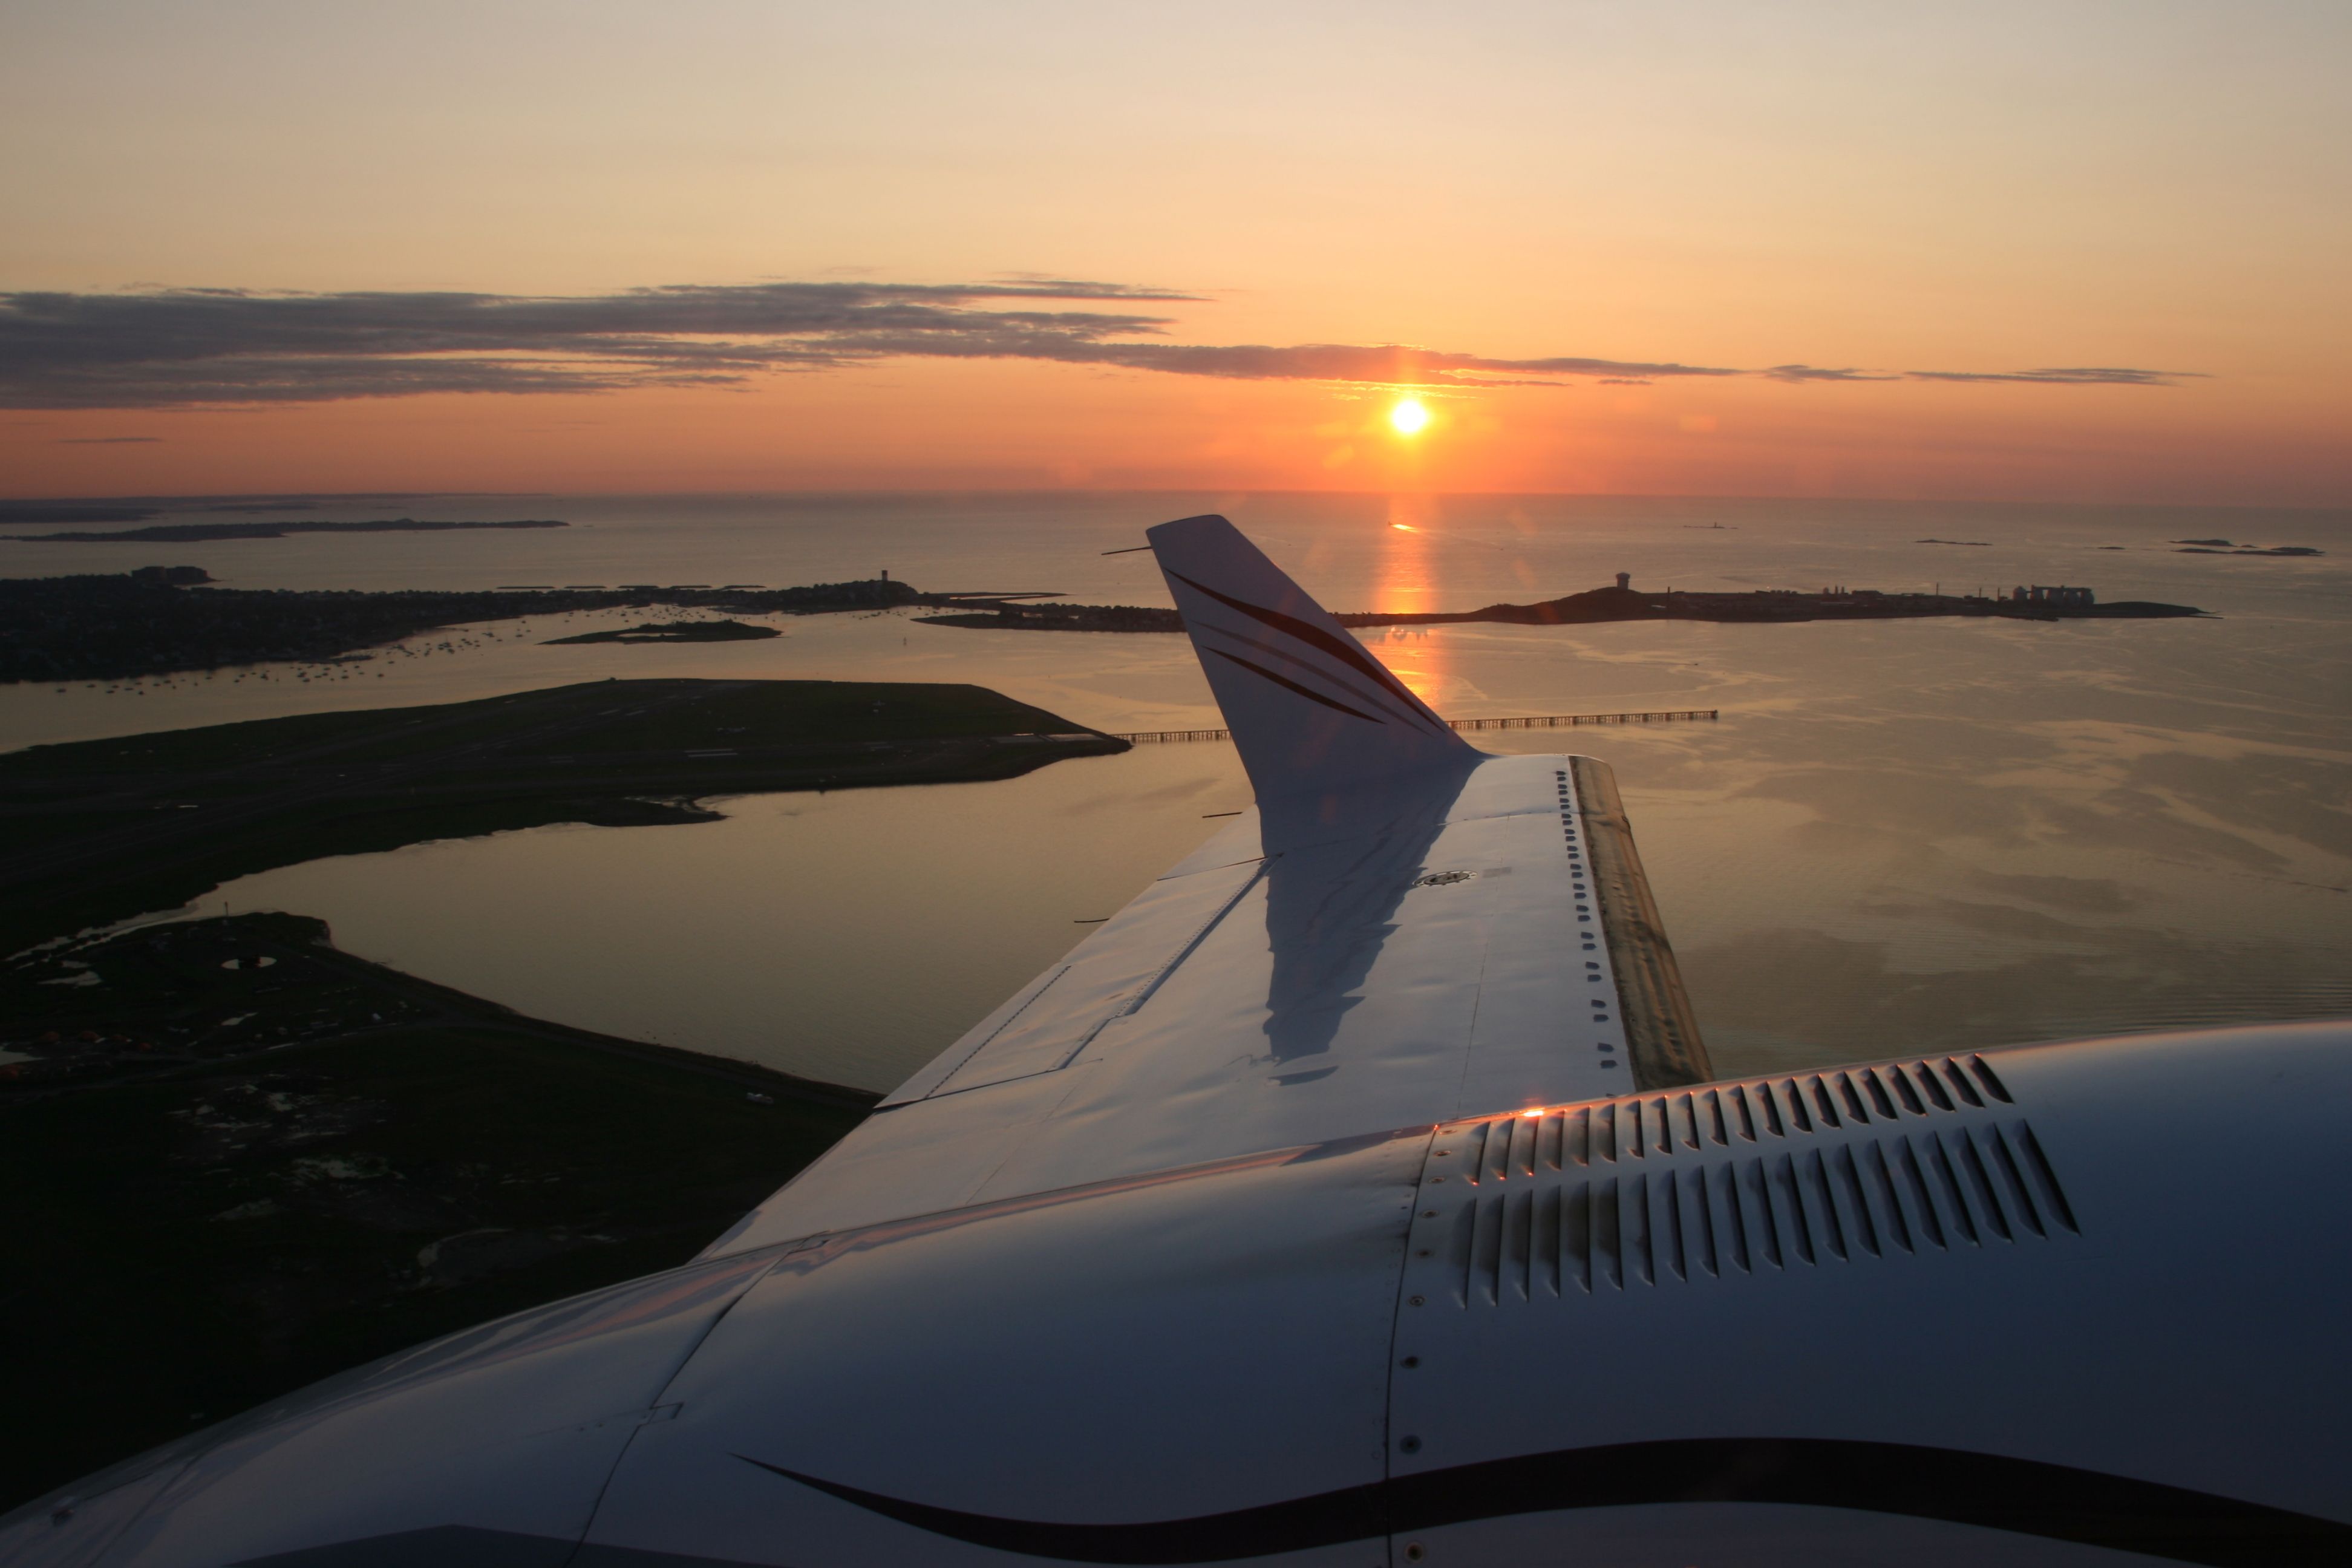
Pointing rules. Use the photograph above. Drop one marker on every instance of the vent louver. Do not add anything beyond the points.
(1737, 1180)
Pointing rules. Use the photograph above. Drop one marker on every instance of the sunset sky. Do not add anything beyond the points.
(2057, 250)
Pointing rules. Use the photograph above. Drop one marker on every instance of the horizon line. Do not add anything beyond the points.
(325, 497)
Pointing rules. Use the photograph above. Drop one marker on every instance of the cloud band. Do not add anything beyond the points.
(199, 347)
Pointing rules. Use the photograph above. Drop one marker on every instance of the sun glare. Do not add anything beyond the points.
(1408, 416)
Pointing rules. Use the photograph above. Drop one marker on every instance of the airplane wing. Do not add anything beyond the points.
(1353, 1197)
(1405, 930)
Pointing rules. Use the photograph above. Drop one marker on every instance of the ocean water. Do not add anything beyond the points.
(1899, 835)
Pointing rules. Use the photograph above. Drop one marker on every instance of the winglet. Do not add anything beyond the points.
(1308, 706)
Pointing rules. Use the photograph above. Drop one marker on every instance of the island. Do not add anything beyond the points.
(1623, 602)
(2224, 547)
(674, 631)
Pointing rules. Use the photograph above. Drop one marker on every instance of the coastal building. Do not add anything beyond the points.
(2060, 597)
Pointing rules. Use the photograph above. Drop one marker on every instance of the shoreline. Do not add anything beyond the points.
(164, 620)
(100, 831)
(1602, 605)
(127, 1050)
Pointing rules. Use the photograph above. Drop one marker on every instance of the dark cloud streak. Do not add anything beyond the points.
(214, 347)
(1803, 372)
(2093, 376)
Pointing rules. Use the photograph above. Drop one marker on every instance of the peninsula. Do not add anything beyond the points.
(98, 831)
(676, 631)
(159, 619)
(1626, 603)
(238, 1160)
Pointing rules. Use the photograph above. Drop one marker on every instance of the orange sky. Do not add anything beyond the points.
(2138, 188)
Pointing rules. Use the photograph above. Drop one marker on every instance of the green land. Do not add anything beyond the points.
(100, 831)
(236, 1160)
(358, 1162)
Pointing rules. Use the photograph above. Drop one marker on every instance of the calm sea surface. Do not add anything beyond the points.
(1901, 836)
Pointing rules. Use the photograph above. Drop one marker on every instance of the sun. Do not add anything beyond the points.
(1408, 417)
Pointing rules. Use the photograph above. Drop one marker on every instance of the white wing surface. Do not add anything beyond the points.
(1405, 932)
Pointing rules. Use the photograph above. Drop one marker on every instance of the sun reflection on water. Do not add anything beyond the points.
(1407, 580)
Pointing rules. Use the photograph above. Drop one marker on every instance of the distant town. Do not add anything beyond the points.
(1623, 602)
(160, 619)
